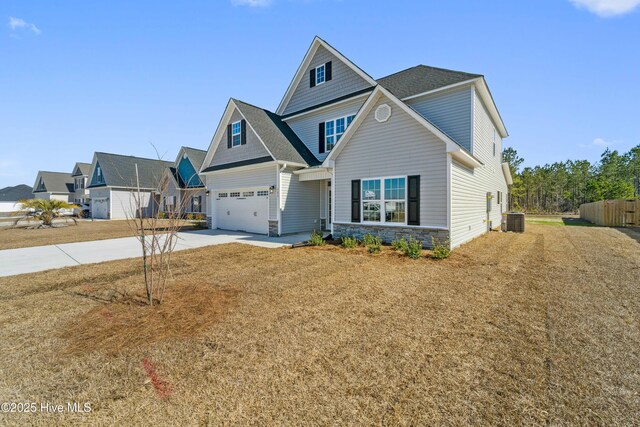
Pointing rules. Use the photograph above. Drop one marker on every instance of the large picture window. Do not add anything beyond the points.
(384, 200)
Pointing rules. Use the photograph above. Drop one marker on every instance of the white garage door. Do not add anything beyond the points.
(243, 210)
(100, 208)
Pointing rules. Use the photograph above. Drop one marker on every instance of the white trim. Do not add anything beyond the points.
(506, 171)
(315, 110)
(383, 200)
(449, 192)
(239, 123)
(481, 86)
(390, 224)
(333, 196)
(457, 151)
(304, 65)
(324, 74)
(442, 89)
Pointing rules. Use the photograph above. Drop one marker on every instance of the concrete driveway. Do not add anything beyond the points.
(40, 258)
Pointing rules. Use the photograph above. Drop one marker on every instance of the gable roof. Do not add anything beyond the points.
(54, 182)
(456, 150)
(81, 169)
(120, 171)
(279, 139)
(15, 193)
(302, 69)
(421, 79)
(195, 156)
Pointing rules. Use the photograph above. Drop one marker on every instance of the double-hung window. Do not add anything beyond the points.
(320, 74)
(384, 200)
(334, 129)
(236, 134)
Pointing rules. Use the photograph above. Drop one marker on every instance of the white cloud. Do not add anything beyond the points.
(18, 24)
(251, 3)
(606, 8)
(599, 143)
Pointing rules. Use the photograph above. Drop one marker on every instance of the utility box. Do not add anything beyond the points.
(514, 222)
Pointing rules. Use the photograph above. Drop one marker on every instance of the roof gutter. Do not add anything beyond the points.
(465, 158)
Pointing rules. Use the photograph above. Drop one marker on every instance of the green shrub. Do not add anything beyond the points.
(440, 248)
(190, 217)
(400, 244)
(373, 243)
(316, 239)
(349, 242)
(161, 215)
(368, 239)
(375, 247)
(413, 249)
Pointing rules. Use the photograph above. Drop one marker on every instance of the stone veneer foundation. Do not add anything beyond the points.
(389, 234)
(273, 228)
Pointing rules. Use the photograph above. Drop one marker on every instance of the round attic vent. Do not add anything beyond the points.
(383, 112)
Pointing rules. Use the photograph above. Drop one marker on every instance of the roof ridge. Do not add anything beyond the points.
(254, 106)
(130, 156)
(398, 72)
(433, 68)
(193, 148)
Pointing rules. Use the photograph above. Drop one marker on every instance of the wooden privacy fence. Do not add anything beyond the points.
(612, 213)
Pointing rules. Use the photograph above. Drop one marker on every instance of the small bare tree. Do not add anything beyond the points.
(156, 224)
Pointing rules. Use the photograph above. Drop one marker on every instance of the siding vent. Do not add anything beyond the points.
(383, 112)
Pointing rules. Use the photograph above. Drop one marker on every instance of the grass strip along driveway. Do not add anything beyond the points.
(533, 328)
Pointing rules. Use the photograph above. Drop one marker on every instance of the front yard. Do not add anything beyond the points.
(536, 328)
(85, 230)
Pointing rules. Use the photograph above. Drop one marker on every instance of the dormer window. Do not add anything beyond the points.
(320, 74)
(236, 133)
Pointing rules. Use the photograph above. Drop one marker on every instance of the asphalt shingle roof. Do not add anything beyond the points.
(84, 168)
(422, 78)
(18, 192)
(280, 140)
(120, 171)
(55, 182)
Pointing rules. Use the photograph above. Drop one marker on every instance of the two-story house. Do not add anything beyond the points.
(414, 154)
(80, 176)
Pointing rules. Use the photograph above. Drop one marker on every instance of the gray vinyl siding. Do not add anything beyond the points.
(299, 202)
(253, 149)
(343, 82)
(398, 147)
(306, 126)
(450, 111)
(264, 177)
(469, 188)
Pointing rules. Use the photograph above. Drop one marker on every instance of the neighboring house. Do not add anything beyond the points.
(184, 188)
(10, 197)
(113, 186)
(54, 186)
(80, 177)
(414, 154)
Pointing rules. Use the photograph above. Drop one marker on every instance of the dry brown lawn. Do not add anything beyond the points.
(538, 328)
(11, 238)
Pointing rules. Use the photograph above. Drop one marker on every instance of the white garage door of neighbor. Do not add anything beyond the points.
(243, 210)
(100, 208)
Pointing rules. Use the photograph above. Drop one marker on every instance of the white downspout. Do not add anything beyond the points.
(278, 188)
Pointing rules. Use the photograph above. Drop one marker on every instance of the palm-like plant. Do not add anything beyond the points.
(43, 210)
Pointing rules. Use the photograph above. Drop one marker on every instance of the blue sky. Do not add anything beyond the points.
(78, 77)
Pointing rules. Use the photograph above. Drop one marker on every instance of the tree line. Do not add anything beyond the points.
(564, 186)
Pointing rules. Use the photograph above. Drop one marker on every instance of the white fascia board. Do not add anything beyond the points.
(485, 95)
(317, 42)
(215, 140)
(465, 158)
(452, 147)
(311, 170)
(506, 170)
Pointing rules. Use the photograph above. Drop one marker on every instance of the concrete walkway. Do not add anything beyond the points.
(40, 258)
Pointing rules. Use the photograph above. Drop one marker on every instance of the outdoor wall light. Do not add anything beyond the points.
(272, 189)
